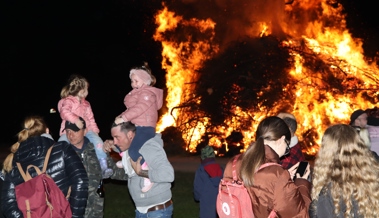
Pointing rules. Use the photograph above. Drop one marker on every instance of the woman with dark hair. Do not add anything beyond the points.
(64, 167)
(271, 188)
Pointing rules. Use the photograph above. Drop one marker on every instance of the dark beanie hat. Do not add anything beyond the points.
(355, 115)
(207, 152)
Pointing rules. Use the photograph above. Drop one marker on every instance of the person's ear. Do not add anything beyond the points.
(283, 138)
(129, 135)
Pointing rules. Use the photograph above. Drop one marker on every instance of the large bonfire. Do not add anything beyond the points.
(227, 69)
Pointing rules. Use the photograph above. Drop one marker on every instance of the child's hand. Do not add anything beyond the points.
(79, 124)
(118, 120)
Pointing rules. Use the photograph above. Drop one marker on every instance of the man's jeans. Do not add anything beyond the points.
(164, 213)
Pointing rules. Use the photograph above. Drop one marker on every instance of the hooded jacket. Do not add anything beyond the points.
(64, 167)
(142, 106)
(161, 173)
(70, 109)
(205, 186)
(274, 189)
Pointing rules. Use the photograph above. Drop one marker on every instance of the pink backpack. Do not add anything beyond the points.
(40, 197)
(233, 200)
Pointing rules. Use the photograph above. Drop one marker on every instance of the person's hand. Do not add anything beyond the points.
(118, 120)
(306, 173)
(108, 145)
(136, 165)
(79, 124)
(293, 169)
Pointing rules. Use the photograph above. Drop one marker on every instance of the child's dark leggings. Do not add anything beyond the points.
(143, 133)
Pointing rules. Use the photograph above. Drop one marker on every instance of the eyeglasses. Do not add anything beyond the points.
(288, 149)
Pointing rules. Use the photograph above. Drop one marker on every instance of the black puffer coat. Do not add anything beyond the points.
(65, 167)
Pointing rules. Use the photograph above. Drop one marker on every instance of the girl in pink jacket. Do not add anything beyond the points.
(73, 104)
(142, 104)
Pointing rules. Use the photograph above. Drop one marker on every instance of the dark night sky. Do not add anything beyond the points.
(45, 41)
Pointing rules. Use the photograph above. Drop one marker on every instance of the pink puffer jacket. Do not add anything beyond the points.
(71, 109)
(142, 106)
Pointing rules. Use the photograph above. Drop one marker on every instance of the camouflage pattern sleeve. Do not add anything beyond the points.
(118, 173)
(95, 204)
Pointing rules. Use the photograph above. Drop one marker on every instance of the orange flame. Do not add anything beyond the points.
(188, 43)
(181, 59)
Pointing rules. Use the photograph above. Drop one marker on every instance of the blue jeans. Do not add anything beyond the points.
(94, 139)
(164, 213)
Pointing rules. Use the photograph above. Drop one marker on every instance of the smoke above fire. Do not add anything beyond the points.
(229, 64)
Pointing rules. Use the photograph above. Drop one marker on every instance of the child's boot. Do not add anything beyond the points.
(106, 172)
(147, 184)
(119, 163)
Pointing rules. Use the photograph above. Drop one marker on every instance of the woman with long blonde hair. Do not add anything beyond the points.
(345, 176)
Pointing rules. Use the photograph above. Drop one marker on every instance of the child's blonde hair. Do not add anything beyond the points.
(33, 126)
(74, 85)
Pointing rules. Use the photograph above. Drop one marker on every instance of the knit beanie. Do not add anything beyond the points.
(355, 115)
(207, 152)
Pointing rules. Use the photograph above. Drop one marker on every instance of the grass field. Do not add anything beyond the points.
(118, 203)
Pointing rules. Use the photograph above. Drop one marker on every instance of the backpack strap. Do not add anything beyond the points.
(26, 176)
(47, 159)
(48, 153)
(266, 165)
(235, 178)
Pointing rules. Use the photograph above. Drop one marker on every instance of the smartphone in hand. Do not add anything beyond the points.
(301, 169)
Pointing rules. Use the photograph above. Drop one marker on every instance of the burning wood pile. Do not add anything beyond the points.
(301, 59)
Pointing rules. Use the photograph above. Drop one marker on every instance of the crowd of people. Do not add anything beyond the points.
(80, 159)
(342, 183)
